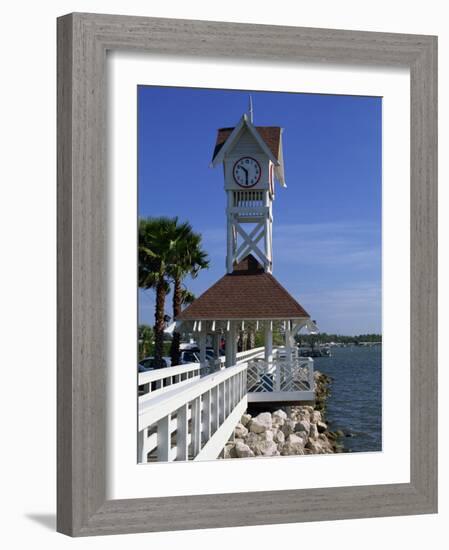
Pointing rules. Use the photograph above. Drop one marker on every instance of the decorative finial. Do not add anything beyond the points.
(251, 112)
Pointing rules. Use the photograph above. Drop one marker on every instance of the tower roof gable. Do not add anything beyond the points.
(269, 138)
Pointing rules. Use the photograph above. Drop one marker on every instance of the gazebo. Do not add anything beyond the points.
(250, 294)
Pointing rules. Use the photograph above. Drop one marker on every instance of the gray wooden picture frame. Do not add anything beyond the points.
(83, 40)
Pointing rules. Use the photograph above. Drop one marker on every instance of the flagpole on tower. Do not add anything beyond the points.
(251, 112)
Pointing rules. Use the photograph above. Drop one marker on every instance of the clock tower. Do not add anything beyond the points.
(252, 163)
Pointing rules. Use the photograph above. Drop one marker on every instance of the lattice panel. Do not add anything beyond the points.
(294, 376)
(278, 376)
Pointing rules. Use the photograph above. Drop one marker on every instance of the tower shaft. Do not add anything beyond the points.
(249, 227)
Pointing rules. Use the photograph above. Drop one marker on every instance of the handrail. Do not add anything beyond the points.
(199, 415)
(158, 374)
(250, 353)
(161, 405)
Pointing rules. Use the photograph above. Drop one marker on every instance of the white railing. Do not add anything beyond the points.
(244, 356)
(193, 420)
(250, 354)
(281, 379)
(160, 380)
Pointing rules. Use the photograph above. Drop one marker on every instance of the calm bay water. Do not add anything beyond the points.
(355, 403)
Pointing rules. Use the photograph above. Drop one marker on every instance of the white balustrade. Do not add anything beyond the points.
(285, 378)
(250, 354)
(159, 381)
(244, 356)
(193, 418)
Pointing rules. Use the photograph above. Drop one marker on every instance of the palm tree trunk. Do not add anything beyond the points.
(175, 354)
(159, 324)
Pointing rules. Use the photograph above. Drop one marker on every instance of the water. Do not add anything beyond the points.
(355, 403)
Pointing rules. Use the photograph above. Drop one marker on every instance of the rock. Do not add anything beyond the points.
(229, 451)
(295, 440)
(280, 414)
(266, 448)
(294, 445)
(289, 427)
(279, 437)
(292, 430)
(243, 451)
(313, 434)
(267, 435)
(303, 425)
(261, 423)
(252, 438)
(303, 415)
(289, 449)
(303, 435)
(321, 426)
(240, 430)
(315, 446)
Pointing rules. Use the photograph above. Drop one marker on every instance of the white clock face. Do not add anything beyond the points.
(247, 172)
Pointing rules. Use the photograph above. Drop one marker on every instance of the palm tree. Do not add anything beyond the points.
(145, 335)
(190, 259)
(157, 243)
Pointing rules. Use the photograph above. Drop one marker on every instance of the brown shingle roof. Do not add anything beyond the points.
(270, 134)
(246, 293)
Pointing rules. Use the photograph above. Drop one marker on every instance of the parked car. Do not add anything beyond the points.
(192, 355)
(148, 363)
(189, 356)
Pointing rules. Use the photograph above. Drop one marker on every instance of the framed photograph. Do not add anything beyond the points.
(247, 282)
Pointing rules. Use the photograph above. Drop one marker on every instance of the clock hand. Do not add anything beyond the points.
(246, 174)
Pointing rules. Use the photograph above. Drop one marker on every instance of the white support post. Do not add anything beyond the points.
(207, 416)
(267, 223)
(182, 432)
(268, 342)
(215, 410)
(141, 451)
(234, 342)
(231, 345)
(163, 439)
(288, 344)
(217, 338)
(196, 426)
(230, 248)
(221, 403)
(202, 344)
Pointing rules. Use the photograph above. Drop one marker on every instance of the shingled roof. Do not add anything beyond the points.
(270, 134)
(246, 293)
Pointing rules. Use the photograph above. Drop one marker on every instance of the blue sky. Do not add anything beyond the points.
(327, 222)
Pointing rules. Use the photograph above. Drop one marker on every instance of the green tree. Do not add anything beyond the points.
(145, 336)
(189, 259)
(158, 240)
